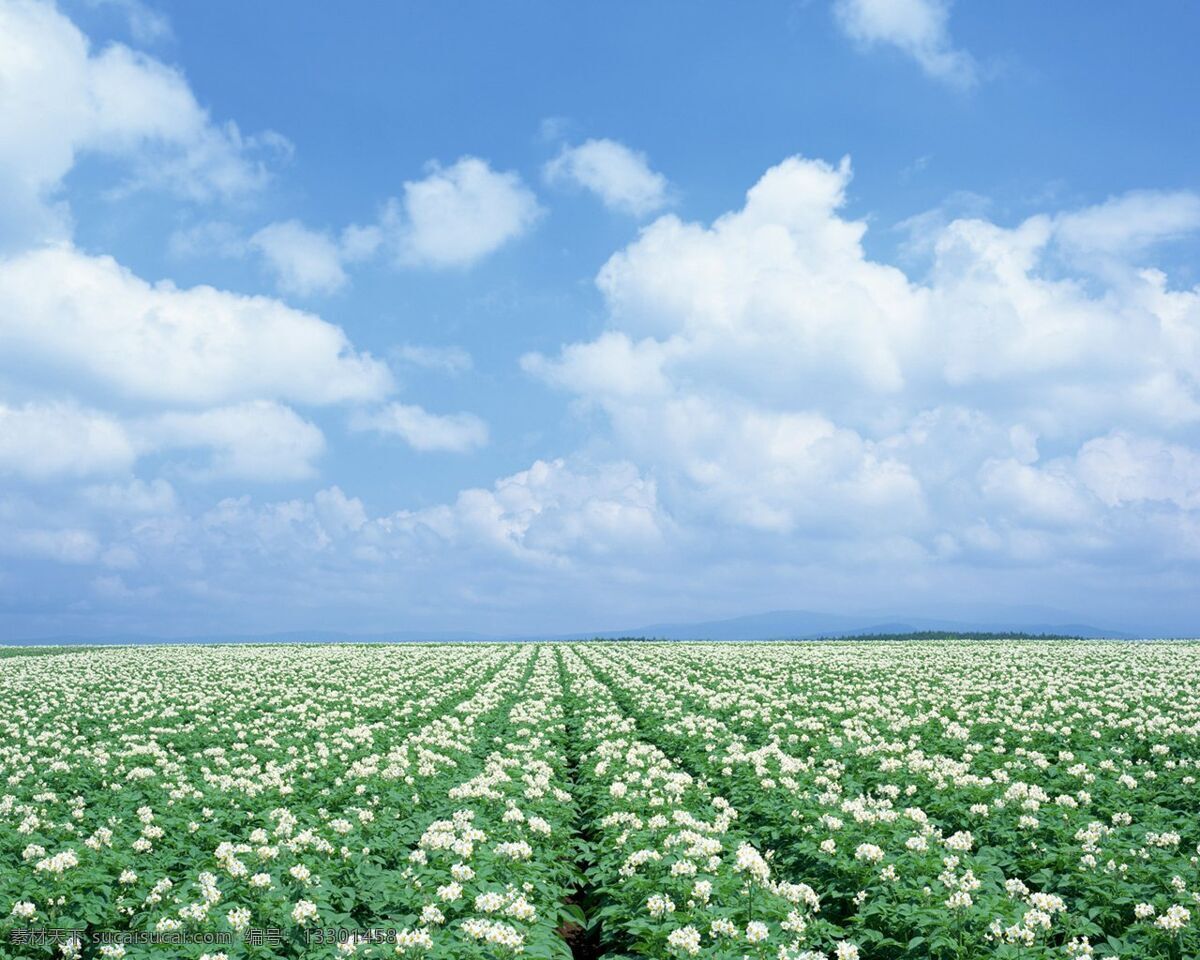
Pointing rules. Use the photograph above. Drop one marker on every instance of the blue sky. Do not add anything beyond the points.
(569, 317)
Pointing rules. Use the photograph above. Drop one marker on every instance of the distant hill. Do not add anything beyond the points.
(806, 625)
(775, 625)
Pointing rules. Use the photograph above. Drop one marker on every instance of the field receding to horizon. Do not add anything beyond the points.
(841, 800)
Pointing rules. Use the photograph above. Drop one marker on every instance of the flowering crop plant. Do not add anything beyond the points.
(801, 801)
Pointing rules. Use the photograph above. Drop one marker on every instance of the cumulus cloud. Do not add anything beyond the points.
(60, 99)
(92, 320)
(773, 376)
(768, 410)
(303, 261)
(256, 440)
(43, 441)
(918, 28)
(1123, 469)
(454, 217)
(459, 214)
(554, 514)
(620, 177)
(560, 522)
(425, 431)
(770, 301)
(198, 377)
(550, 513)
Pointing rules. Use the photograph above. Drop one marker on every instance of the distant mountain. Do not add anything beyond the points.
(804, 624)
(775, 625)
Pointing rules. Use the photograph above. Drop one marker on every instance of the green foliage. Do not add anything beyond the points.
(927, 800)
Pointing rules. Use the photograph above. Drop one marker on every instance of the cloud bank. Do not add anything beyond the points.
(761, 414)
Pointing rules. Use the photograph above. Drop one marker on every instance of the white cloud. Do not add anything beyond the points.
(456, 432)
(923, 229)
(459, 214)
(453, 218)
(1123, 469)
(337, 513)
(553, 515)
(775, 379)
(1129, 223)
(612, 365)
(90, 319)
(59, 99)
(916, 27)
(303, 261)
(621, 177)
(549, 513)
(780, 417)
(64, 545)
(1043, 495)
(136, 497)
(256, 440)
(774, 295)
(42, 441)
(198, 376)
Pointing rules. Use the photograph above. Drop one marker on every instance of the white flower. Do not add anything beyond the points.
(519, 850)
(685, 939)
(239, 918)
(419, 939)
(489, 901)
(660, 905)
(1174, 919)
(959, 900)
(303, 911)
(59, 863)
(431, 915)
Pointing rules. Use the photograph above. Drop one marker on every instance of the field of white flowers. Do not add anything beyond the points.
(826, 800)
